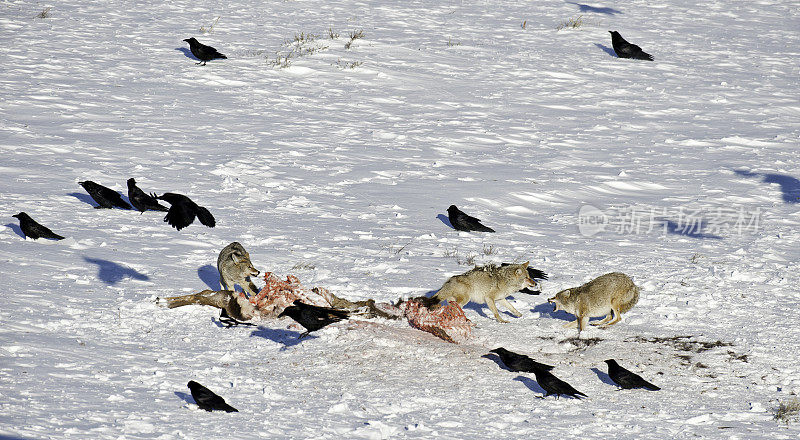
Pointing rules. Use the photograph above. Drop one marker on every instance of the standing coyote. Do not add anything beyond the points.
(235, 267)
(487, 284)
(611, 294)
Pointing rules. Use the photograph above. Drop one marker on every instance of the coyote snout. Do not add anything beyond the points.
(235, 267)
(554, 303)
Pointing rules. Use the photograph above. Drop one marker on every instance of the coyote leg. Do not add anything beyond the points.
(582, 321)
(493, 308)
(617, 318)
(604, 320)
(251, 288)
(508, 305)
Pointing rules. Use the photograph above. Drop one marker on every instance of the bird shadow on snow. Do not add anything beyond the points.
(531, 384)
(112, 273)
(288, 338)
(209, 275)
(445, 220)
(607, 49)
(187, 52)
(85, 198)
(790, 186)
(186, 397)
(15, 227)
(534, 386)
(596, 9)
(605, 378)
(496, 359)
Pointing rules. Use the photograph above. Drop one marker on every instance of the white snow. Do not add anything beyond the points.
(342, 177)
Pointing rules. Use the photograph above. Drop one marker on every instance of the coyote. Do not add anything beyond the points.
(611, 294)
(235, 267)
(487, 284)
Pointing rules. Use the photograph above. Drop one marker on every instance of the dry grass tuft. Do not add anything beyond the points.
(204, 30)
(788, 411)
(355, 35)
(44, 14)
(571, 23)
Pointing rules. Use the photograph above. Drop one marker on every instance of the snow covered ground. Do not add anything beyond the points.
(339, 168)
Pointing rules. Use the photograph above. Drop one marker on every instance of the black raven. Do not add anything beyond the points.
(553, 385)
(534, 274)
(183, 211)
(105, 197)
(464, 222)
(519, 362)
(207, 400)
(202, 52)
(141, 200)
(33, 229)
(627, 379)
(624, 49)
(313, 317)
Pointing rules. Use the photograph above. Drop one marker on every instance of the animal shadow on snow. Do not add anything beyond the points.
(12, 437)
(531, 384)
(112, 273)
(596, 9)
(496, 359)
(445, 220)
(15, 227)
(790, 186)
(478, 308)
(534, 386)
(607, 49)
(210, 275)
(83, 197)
(187, 52)
(484, 311)
(691, 231)
(288, 338)
(547, 309)
(185, 396)
(86, 198)
(604, 377)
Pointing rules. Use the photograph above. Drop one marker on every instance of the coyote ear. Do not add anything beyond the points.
(235, 258)
(525, 264)
(566, 293)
